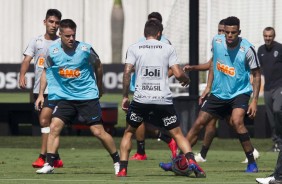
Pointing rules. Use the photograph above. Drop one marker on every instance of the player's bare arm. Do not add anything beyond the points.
(43, 84)
(201, 67)
(99, 76)
(209, 85)
(24, 67)
(256, 87)
(126, 81)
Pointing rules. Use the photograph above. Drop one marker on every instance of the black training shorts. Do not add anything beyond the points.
(138, 113)
(222, 108)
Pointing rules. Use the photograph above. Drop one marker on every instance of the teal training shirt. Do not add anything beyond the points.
(231, 69)
(71, 77)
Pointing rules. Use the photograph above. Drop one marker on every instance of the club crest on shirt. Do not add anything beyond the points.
(55, 50)
(84, 48)
(218, 40)
(242, 49)
(275, 54)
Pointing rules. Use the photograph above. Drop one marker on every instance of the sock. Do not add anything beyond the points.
(204, 151)
(141, 147)
(250, 157)
(50, 158)
(42, 156)
(57, 156)
(123, 165)
(190, 155)
(115, 157)
(164, 137)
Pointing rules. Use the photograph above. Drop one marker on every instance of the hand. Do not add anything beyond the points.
(22, 82)
(125, 103)
(187, 68)
(185, 83)
(39, 103)
(204, 95)
(252, 110)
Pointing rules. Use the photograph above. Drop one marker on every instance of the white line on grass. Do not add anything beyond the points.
(118, 180)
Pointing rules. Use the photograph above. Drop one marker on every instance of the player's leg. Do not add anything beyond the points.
(268, 101)
(237, 119)
(135, 116)
(108, 142)
(210, 132)
(140, 140)
(201, 121)
(277, 111)
(153, 130)
(171, 123)
(56, 127)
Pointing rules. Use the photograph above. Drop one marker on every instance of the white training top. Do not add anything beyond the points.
(37, 48)
(152, 59)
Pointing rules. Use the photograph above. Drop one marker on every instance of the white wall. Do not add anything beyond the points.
(23, 20)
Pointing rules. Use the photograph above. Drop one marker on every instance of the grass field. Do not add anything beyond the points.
(85, 161)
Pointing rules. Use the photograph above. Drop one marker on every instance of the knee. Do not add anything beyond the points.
(54, 129)
(44, 122)
(98, 131)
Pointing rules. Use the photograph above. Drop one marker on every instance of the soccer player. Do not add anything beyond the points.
(210, 129)
(270, 55)
(140, 131)
(234, 58)
(37, 49)
(71, 80)
(152, 93)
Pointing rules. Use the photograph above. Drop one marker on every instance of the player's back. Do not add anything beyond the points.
(152, 59)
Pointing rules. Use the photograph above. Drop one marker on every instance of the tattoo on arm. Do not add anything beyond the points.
(126, 78)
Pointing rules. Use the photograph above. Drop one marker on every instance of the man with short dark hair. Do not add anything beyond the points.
(229, 88)
(270, 55)
(37, 49)
(71, 80)
(149, 127)
(152, 93)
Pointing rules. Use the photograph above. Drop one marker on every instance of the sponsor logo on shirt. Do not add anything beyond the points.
(151, 87)
(275, 54)
(225, 69)
(69, 73)
(151, 72)
(169, 120)
(150, 47)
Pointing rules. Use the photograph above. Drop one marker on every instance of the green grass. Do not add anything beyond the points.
(85, 161)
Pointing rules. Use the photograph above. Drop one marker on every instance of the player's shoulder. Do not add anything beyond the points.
(84, 46)
(219, 38)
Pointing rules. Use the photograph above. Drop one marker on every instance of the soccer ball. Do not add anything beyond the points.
(180, 166)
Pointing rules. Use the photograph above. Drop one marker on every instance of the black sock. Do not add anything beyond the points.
(250, 157)
(42, 156)
(164, 137)
(115, 157)
(204, 151)
(57, 156)
(123, 165)
(190, 155)
(50, 158)
(141, 147)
